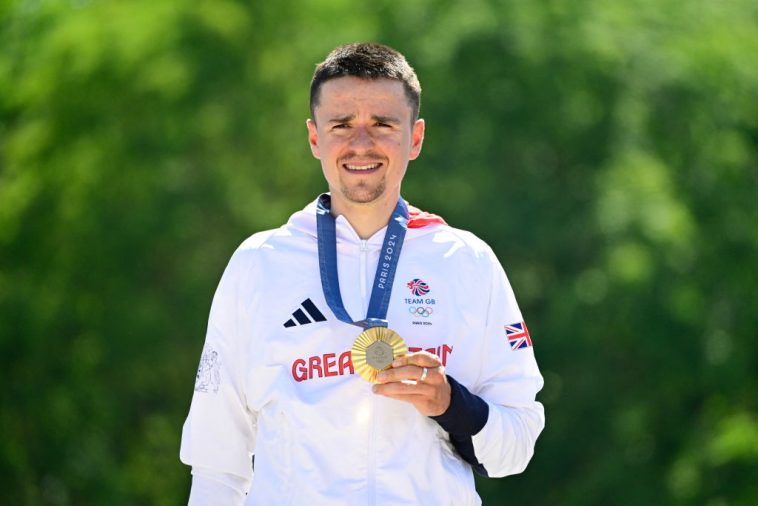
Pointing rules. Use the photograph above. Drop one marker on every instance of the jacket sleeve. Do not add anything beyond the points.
(219, 434)
(210, 487)
(494, 423)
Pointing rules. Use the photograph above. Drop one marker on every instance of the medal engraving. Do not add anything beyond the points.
(379, 355)
(374, 350)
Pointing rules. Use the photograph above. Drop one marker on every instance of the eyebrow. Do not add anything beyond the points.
(386, 119)
(342, 119)
(379, 119)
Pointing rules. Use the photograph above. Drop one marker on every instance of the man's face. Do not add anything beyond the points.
(363, 136)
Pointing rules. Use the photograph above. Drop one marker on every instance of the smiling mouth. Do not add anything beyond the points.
(362, 168)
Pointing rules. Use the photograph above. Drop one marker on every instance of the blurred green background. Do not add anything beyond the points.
(606, 150)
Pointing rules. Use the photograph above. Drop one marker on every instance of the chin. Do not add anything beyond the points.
(362, 195)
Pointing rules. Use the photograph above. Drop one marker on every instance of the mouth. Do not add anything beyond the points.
(362, 168)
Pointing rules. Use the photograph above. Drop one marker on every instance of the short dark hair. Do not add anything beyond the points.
(367, 61)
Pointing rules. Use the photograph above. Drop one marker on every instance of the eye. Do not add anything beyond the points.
(384, 125)
(340, 126)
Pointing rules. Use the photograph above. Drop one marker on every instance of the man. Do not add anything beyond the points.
(279, 376)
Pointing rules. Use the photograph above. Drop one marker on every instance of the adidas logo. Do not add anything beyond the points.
(302, 318)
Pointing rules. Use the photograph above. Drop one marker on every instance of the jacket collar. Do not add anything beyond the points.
(419, 223)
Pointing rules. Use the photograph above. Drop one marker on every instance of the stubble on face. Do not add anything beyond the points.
(362, 194)
(363, 191)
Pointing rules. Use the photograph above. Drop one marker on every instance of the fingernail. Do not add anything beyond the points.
(381, 376)
(374, 388)
(397, 363)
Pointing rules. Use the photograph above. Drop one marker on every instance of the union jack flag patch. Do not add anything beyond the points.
(518, 336)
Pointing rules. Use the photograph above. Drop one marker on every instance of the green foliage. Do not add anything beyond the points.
(606, 150)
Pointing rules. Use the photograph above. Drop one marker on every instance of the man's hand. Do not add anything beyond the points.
(402, 381)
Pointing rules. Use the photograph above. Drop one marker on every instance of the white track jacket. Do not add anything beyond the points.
(276, 381)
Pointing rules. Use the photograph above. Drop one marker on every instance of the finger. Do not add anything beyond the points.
(412, 372)
(414, 399)
(408, 372)
(399, 388)
(420, 359)
(426, 405)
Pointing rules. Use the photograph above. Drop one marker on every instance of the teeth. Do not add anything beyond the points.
(362, 167)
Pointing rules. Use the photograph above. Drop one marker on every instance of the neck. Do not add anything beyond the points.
(366, 219)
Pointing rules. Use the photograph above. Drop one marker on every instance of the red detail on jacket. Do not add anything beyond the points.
(322, 365)
(420, 219)
(441, 351)
(329, 364)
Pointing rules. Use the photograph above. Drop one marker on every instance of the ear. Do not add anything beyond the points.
(417, 138)
(313, 138)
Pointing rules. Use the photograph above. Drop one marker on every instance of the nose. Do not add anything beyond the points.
(361, 138)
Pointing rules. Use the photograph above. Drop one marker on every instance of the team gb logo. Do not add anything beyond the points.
(418, 287)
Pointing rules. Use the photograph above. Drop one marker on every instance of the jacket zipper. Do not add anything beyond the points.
(372, 455)
(364, 254)
(372, 429)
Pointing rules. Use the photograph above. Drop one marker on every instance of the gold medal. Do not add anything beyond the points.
(374, 350)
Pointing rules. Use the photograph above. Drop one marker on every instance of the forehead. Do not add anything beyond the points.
(354, 95)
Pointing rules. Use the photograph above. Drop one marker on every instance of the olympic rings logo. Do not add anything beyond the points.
(424, 312)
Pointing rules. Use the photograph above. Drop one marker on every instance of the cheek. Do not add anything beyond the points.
(325, 149)
(393, 145)
(333, 153)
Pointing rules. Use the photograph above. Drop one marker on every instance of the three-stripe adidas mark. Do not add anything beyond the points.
(301, 317)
